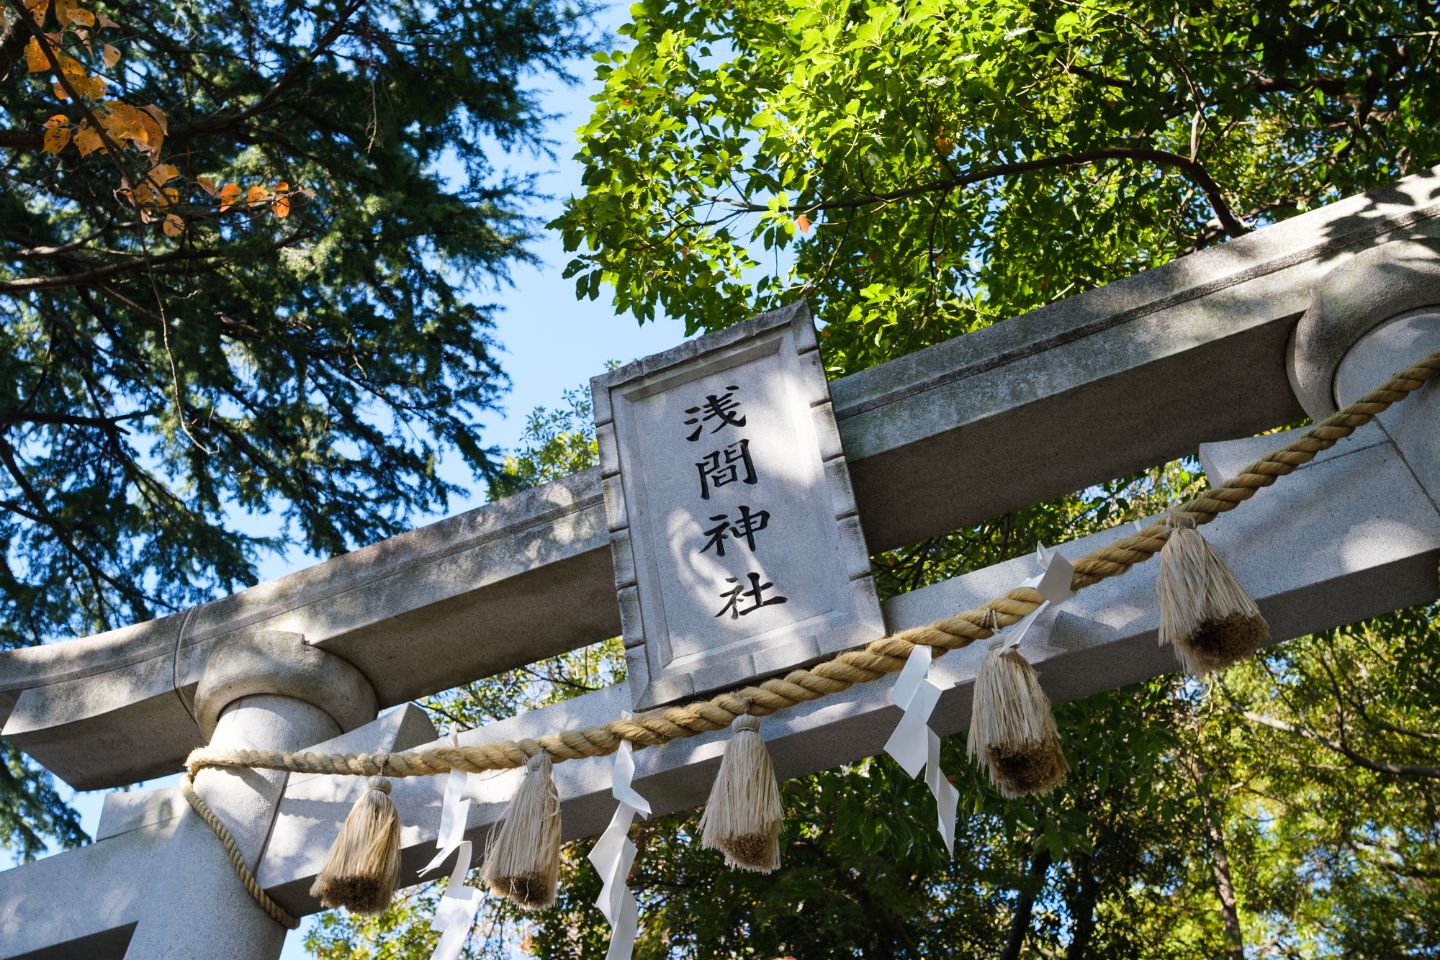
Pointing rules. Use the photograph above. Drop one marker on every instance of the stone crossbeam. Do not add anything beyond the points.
(1109, 381)
(1351, 535)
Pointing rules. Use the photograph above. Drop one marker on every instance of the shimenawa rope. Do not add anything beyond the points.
(838, 673)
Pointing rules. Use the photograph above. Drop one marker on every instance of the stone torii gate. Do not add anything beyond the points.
(1224, 343)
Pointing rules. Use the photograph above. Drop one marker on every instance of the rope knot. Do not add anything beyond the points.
(1179, 519)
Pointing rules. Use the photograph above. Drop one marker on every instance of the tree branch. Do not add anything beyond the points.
(1193, 170)
(25, 285)
(21, 140)
(220, 123)
(1378, 766)
(12, 417)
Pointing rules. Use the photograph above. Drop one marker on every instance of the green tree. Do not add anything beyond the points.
(922, 169)
(555, 443)
(243, 251)
(919, 169)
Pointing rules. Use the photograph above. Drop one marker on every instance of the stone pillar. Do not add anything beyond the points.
(272, 691)
(1368, 320)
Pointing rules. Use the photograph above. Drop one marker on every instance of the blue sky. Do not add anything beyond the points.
(549, 341)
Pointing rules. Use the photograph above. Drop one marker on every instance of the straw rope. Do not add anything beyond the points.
(839, 672)
(237, 859)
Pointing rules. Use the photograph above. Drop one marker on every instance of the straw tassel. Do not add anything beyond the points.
(364, 862)
(744, 815)
(1012, 731)
(1205, 614)
(522, 861)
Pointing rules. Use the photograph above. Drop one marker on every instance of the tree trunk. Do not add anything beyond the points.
(1025, 905)
(1087, 892)
(1225, 890)
(1219, 863)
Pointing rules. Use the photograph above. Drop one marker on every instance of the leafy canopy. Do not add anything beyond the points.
(243, 247)
(919, 169)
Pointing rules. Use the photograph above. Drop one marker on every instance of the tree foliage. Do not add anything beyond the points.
(917, 169)
(922, 169)
(1287, 809)
(243, 247)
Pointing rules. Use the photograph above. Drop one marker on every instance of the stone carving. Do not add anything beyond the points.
(738, 552)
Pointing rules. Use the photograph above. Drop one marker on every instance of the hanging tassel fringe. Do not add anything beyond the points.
(1012, 731)
(744, 814)
(1205, 614)
(522, 861)
(364, 862)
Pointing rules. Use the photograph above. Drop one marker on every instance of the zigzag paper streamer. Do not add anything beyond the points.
(1053, 582)
(915, 746)
(455, 914)
(614, 855)
(454, 812)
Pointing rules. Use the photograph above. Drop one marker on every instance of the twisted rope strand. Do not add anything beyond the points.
(833, 675)
(237, 860)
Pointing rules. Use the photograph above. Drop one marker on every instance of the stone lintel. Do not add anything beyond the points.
(1108, 381)
(1346, 537)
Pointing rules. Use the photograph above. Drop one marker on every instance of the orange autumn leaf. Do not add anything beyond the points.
(173, 226)
(803, 222)
(79, 17)
(60, 92)
(79, 78)
(56, 139)
(206, 184)
(38, 9)
(150, 135)
(162, 173)
(105, 21)
(228, 195)
(158, 116)
(280, 206)
(35, 60)
(111, 55)
(256, 195)
(87, 140)
(57, 133)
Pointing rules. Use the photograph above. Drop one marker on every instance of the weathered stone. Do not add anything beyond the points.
(724, 451)
(1413, 426)
(282, 664)
(402, 728)
(194, 902)
(1224, 460)
(1350, 301)
(70, 906)
(1088, 388)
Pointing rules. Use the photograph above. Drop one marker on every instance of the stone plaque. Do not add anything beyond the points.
(738, 550)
